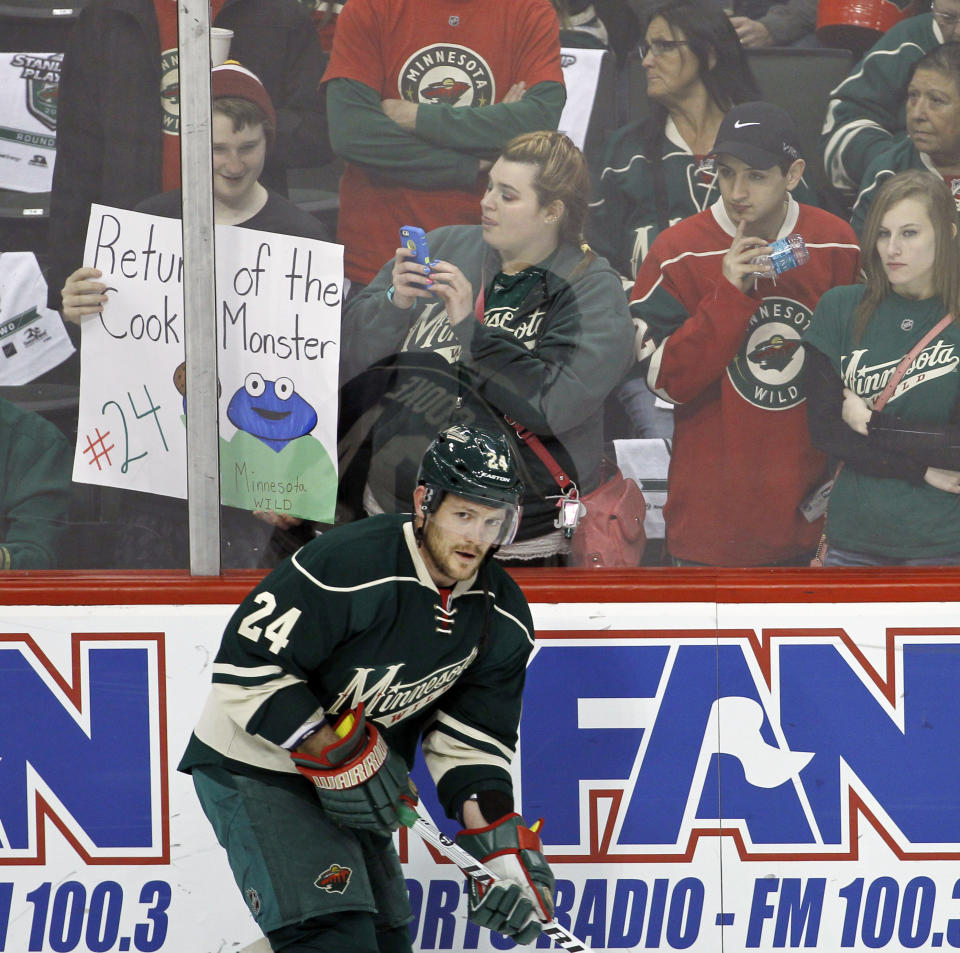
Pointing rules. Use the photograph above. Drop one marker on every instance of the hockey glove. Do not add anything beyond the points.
(523, 899)
(361, 783)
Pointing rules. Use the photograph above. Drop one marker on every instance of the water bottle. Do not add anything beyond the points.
(786, 253)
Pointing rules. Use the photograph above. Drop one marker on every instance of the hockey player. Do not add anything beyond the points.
(373, 636)
(723, 346)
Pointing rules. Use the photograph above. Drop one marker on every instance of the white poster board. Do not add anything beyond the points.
(278, 352)
(646, 460)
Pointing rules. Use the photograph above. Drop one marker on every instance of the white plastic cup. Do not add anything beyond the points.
(219, 45)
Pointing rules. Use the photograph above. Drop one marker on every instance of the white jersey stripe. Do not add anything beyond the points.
(513, 618)
(462, 728)
(222, 668)
(383, 580)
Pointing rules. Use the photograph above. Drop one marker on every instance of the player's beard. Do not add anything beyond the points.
(441, 549)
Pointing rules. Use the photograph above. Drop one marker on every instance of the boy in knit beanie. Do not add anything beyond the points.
(243, 129)
(243, 125)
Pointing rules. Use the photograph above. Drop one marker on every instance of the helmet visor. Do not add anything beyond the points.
(484, 521)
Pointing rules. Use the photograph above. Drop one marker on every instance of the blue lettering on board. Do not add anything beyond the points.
(84, 748)
(636, 745)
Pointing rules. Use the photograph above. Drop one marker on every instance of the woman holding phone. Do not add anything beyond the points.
(893, 343)
(515, 318)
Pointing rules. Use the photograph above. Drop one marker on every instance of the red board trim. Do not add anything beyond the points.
(177, 587)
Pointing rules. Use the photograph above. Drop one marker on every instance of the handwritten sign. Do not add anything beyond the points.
(278, 351)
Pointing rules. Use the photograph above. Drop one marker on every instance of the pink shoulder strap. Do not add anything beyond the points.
(908, 359)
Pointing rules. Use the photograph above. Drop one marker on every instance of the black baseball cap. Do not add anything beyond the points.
(761, 134)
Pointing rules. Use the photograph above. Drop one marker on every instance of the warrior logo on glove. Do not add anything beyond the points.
(370, 763)
(360, 782)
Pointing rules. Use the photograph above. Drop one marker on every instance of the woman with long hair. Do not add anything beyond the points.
(653, 170)
(514, 320)
(896, 498)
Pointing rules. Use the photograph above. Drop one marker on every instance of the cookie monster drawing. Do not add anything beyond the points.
(271, 411)
(274, 462)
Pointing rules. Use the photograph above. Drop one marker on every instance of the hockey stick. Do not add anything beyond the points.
(476, 870)
(468, 864)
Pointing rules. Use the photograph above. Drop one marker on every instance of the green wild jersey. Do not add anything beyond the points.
(867, 109)
(354, 617)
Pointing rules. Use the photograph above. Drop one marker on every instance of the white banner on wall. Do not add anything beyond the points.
(581, 75)
(278, 347)
(33, 339)
(29, 93)
(753, 776)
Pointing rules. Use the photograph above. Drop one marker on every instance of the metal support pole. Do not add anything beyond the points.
(199, 288)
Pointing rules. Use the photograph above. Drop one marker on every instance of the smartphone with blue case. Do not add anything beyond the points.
(415, 240)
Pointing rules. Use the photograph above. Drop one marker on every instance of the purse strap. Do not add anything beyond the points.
(908, 359)
(569, 505)
(546, 457)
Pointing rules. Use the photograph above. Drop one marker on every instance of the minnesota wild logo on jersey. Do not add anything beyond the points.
(335, 879)
(42, 101)
(447, 74)
(766, 371)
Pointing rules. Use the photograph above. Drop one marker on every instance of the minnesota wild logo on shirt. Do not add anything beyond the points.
(766, 371)
(432, 331)
(868, 379)
(447, 74)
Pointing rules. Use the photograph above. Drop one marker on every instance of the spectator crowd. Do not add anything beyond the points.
(807, 394)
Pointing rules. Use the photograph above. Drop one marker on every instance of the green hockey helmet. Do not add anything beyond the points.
(477, 464)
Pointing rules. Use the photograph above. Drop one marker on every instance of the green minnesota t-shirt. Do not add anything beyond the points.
(887, 516)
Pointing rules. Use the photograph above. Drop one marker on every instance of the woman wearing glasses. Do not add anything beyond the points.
(866, 109)
(654, 171)
(652, 177)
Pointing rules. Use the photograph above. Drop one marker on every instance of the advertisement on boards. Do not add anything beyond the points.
(736, 777)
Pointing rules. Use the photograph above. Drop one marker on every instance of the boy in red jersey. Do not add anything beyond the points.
(718, 336)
